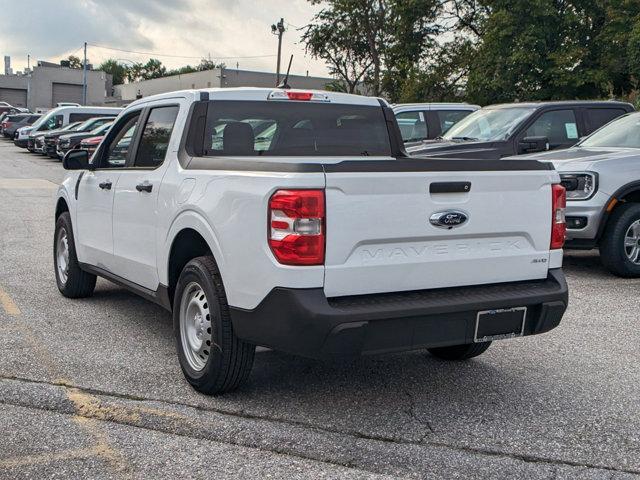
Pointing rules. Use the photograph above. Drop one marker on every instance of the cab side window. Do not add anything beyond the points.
(54, 122)
(601, 116)
(117, 152)
(413, 126)
(154, 142)
(559, 126)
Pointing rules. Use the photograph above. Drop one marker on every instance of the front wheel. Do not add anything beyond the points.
(212, 358)
(460, 352)
(620, 245)
(72, 281)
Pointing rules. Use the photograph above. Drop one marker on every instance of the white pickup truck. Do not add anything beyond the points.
(295, 220)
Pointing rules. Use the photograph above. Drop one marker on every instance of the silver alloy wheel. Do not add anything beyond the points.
(62, 256)
(632, 242)
(195, 326)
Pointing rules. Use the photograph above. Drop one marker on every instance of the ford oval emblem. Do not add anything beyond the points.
(449, 219)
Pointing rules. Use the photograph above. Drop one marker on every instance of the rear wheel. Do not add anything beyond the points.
(620, 244)
(212, 358)
(460, 352)
(72, 281)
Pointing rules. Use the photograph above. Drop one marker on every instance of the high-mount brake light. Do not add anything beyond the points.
(296, 226)
(558, 222)
(298, 96)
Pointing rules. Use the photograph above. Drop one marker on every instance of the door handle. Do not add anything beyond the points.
(105, 185)
(144, 187)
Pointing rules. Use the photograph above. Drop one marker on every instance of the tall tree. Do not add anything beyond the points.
(74, 62)
(117, 70)
(361, 40)
(553, 49)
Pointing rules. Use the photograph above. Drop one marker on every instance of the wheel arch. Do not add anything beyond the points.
(628, 193)
(61, 207)
(190, 236)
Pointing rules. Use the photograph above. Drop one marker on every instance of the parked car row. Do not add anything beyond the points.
(553, 171)
(63, 128)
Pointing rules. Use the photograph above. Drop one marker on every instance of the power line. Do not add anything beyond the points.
(175, 56)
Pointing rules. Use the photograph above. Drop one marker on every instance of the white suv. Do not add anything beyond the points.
(295, 220)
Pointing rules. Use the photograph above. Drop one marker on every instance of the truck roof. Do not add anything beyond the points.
(257, 94)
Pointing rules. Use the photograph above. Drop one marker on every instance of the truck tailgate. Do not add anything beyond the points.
(380, 239)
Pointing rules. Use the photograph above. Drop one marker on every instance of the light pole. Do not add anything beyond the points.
(278, 29)
(84, 76)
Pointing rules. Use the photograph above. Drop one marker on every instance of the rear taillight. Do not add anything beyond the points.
(558, 223)
(296, 226)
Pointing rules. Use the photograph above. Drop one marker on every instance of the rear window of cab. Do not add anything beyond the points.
(282, 128)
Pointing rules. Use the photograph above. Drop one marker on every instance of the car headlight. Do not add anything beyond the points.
(579, 186)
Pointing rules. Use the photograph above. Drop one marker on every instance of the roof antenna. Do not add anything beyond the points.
(284, 85)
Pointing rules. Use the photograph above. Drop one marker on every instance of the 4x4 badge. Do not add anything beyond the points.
(448, 219)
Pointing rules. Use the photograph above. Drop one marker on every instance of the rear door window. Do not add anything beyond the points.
(413, 126)
(280, 128)
(559, 126)
(154, 142)
(448, 118)
(597, 117)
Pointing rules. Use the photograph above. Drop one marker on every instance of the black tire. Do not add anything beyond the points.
(228, 365)
(78, 284)
(612, 249)
(460, 352)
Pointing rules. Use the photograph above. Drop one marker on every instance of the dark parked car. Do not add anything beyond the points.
(512, 129)
(36, 142)
(72, 140)
(14, 122)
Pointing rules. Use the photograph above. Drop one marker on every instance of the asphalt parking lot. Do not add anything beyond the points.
(92, 388)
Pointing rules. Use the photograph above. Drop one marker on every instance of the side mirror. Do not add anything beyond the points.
(533, 144)
(77, 160)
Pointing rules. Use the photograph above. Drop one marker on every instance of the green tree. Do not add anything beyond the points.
(553, 49)
(153, 69)
(74, 62)
(117, 70)
(373, 41)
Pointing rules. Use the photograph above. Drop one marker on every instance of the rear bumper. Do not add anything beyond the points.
(20, 143)
(305, 322)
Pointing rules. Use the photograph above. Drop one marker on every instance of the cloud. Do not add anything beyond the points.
(193, 28)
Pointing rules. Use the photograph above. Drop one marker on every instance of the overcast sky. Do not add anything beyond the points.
(51, 30)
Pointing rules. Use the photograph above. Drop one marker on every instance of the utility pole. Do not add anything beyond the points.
(28, 61)
(278, 29)
(84, 76)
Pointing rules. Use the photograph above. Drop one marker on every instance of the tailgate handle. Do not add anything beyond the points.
(450, 187)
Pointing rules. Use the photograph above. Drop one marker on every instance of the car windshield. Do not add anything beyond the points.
(101, 129)
(623, 132)
(71, 127)
(43, 119)
(87, 125)
(488, 124)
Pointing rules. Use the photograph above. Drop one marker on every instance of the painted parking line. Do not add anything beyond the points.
(8, 305)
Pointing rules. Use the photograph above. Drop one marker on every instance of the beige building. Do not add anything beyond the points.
(225, 78)
(48, 84)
